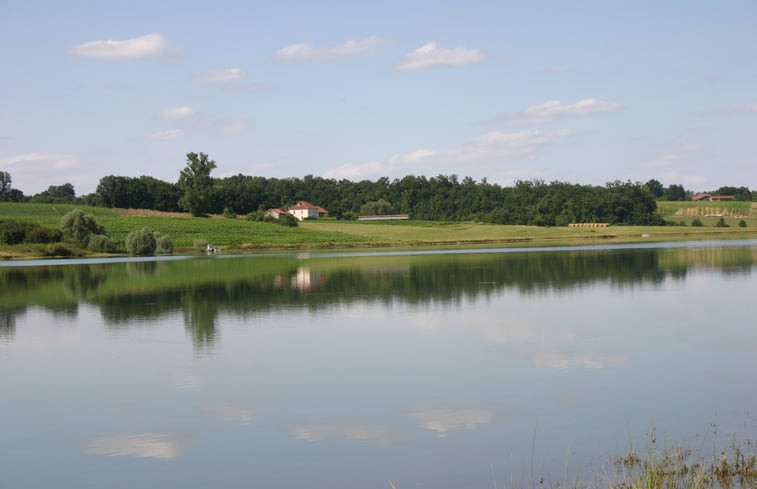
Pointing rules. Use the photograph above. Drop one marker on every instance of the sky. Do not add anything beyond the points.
(584, 92)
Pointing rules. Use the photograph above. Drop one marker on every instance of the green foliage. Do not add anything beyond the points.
(195, 183)
(141, 242)
(655, 188)
(59, 249)
(257, 216)
(138, 193)
(675, 192)
(5, 183)
(99, 243)
(721, 223)
(163, 243)
(78, 227)
(14, 232)
(228, 213)
(742, 223)
(56, 193)
(696, 222)
(378, 207)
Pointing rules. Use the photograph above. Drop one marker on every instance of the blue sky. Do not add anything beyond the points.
(582, 91)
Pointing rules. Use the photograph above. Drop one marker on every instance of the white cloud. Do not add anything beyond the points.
(139, 47)
(169, 135)
(444, 420)
(177, 112)
(560, 360)
(150, 445)
(306, 51)
(430, 55)
(39, 161)
(380, 434)
(219, 76)
(688, 179)
(234, 127)
(554, 109)
(358, 171)
(683, 151)
(494, 145)
(751, 109)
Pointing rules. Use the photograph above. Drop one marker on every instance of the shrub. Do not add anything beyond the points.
(742, 223)
(14, 232)
(99, 243)
(696, 222)
(163, 243)
(141, 242)
(258, 216)
(721, 223)
(228, 213)
(44, 235)
(78, 227)
(58, 249)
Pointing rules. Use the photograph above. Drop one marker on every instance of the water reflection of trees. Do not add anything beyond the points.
(141, 292)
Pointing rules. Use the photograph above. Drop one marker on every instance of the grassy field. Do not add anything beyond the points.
(239, 234)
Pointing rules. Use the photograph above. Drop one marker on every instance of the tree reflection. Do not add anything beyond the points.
(138, 293)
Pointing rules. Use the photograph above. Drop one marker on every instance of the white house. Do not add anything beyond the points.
(303, 210)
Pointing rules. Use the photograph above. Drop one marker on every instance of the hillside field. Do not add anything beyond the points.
(240, 235)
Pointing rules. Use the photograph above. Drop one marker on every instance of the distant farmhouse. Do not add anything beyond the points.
(711, 198)
(301, 210)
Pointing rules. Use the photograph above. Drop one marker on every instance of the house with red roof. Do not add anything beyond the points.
(303, 210)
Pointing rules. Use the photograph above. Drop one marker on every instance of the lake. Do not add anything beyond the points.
(436, 369)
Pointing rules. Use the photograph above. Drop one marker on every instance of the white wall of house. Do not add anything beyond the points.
(304, 213)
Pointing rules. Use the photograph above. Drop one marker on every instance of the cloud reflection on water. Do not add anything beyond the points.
(379, 434)
(148, 445)
(445, 420)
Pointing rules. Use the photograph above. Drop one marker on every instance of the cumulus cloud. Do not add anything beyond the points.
(682, 152)
(149, 445)
(307, 51)
(234, 127)
(219, 76)
(39, 161)
(358, 170)
(430, 55)
(380, 434)
(444, 420)
(177, 112)
(139, 47)
(494, 145)
(489, 146)
(168, 135)
(554, 109)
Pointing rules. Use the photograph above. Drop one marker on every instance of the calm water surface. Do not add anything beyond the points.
(438, 370)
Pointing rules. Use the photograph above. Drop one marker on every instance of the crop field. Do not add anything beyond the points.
(699, 209)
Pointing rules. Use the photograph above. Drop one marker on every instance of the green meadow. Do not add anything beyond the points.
(241, 235)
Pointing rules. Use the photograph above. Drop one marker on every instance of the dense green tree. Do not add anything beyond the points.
(675, 192)
(739, 193)
(56, 194)
(79, 226)
(141, 242)
(5, 183)
(376, 208)
(655, 188)
(196, 184)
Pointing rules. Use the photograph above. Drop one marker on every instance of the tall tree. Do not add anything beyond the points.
(195, 183)
(5, 182)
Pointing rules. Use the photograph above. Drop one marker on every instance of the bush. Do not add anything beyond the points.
(59, 249)
(99, 243)
(14, 232)
(141, 242)
(228, 213)
(78, 227)
(43, 235)
(721, 223)
(742, 223)
(697, 223)
(200, 244)
(163, 243)
(257, 216)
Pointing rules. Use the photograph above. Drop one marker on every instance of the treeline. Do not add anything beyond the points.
(443, 197)
(437, 198)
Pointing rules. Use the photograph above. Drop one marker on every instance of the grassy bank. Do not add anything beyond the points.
(240, 235)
